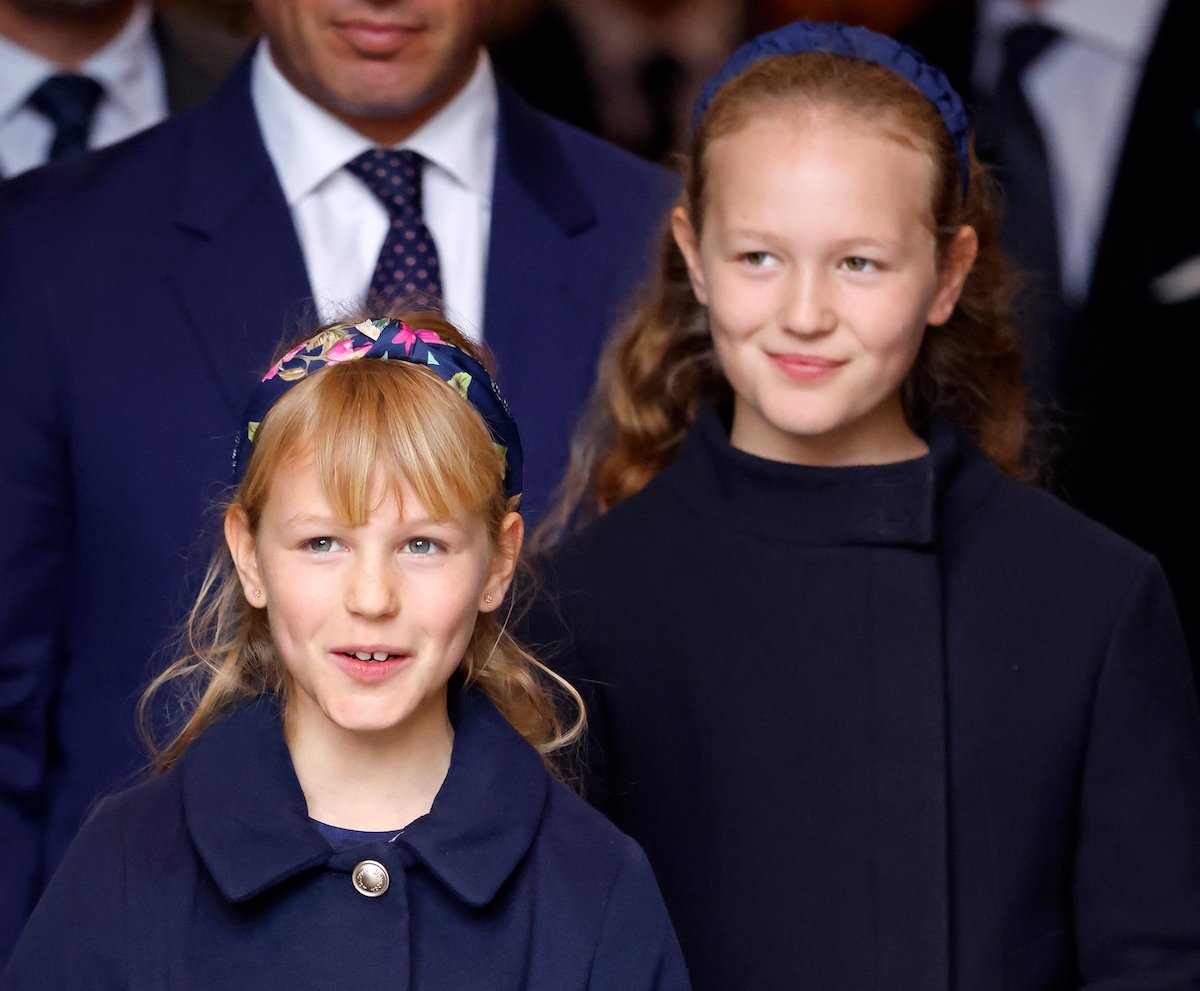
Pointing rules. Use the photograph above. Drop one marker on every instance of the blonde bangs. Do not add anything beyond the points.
(368, 420)
(362, 423)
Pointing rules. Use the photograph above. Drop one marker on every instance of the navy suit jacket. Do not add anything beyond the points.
(143, 290)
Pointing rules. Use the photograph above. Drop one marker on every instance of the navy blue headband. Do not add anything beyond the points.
(389, 340)
(860, 43)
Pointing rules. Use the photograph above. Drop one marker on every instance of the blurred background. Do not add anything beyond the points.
(625, 69)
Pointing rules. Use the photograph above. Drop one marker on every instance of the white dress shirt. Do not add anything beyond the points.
(341, 224)
(129, 68)
(1081, 92)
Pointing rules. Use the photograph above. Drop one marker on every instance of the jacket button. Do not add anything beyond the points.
(370, 878)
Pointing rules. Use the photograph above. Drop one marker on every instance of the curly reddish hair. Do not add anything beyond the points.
(660, 366)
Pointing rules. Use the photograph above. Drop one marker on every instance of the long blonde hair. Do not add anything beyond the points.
(359, 421)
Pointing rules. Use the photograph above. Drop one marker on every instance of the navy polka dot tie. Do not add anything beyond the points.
(408, 263)
(68, 102)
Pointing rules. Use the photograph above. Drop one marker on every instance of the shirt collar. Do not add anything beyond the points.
(248, 818)
(125, 57)
(121, 64)
(20, 73)
(461, 138)
(308, 144)
(1123, 28)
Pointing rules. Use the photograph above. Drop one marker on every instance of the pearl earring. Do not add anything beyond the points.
(488, 598)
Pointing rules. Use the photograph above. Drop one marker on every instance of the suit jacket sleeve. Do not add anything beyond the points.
(637, 950)
(1137, 861)
(35, 562)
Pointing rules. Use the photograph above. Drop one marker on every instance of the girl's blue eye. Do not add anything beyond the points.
(421, 546)
(322, 545)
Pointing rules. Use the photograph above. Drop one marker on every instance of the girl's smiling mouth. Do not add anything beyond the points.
(371, 664)
(805, 367)
(372, 655)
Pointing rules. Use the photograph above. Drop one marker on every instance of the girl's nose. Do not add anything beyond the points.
(373, 588)
(808, 306)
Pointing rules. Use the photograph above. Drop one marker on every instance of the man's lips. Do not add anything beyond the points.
(376, 37)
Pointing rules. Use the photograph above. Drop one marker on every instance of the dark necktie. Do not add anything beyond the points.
(1012, 140)
(408, 262)
(68, 102)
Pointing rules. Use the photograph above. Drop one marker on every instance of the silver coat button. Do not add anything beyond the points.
(370, 878)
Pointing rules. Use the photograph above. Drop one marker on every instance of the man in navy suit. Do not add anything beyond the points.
(1128, 443)
(118, 64)
(144, 288)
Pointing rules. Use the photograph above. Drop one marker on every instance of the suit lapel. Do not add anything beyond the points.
(243, 284)
(545, 300)
(538, 207)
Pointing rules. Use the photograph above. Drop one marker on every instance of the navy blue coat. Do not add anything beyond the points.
(914, 726)
(212, 876)
(142, 293)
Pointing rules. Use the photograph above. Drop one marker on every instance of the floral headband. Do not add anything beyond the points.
(389, 340)
(860, 43)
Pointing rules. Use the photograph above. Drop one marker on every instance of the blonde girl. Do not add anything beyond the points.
(359, 793)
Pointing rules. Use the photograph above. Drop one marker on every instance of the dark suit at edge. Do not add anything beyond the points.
(1130, 439)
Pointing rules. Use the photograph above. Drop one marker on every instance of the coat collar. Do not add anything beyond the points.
(867, 505)
(249, 821)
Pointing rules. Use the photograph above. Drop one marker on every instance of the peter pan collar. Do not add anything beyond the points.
(249, 821)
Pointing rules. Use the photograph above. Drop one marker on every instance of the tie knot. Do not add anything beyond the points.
(393, 176)
(1025, 44)
(67, 100)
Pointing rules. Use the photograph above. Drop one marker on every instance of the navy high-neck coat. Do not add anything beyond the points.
(911, 727)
